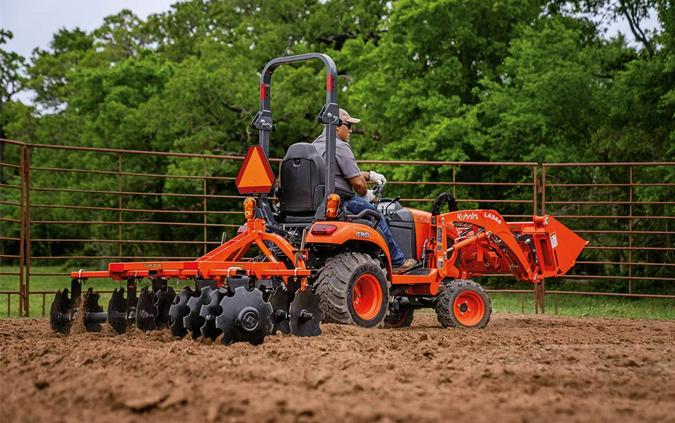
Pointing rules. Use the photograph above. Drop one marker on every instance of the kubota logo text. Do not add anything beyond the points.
(467, 216)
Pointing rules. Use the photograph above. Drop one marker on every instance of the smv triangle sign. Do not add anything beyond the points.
(255, 174)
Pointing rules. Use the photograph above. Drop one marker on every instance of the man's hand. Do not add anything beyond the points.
(369, 197)
(378, 178)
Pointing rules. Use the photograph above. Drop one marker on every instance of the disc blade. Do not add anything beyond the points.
(91, 306)
(193, 321)
(209, 312)
(145, 311)
(306, 315)
(178, 311)
(280, 300)
(246, 317)
(132, 298)
(117, 311)
(162, 301)
(60, 312)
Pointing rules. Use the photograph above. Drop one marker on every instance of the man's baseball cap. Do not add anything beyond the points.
(344, 117)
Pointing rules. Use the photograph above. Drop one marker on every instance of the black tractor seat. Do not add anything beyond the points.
(301, 184)
(301, 188)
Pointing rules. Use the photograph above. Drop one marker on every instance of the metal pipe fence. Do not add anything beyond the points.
(627, 211)
(79, 207)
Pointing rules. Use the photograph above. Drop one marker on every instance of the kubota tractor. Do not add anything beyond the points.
(306, 259)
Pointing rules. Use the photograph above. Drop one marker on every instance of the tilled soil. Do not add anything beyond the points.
(519, 369)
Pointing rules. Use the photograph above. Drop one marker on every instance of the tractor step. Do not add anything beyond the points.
(415, 276)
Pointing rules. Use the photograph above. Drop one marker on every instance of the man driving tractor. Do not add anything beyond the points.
(351, 185)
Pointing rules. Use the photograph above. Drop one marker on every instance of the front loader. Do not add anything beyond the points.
(305, 259)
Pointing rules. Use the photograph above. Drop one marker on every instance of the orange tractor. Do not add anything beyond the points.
(306, 259)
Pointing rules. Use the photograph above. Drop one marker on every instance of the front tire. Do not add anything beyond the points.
(463, 303)
(353, 289)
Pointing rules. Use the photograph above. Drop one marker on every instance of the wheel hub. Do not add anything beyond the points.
(469, 308)
(249, 319)
(367, 296)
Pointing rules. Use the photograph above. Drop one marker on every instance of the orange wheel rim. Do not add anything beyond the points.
(367, 296)
(469, 308)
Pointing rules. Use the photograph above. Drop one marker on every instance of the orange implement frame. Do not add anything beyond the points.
(222, 262)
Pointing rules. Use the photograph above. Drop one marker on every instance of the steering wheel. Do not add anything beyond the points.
(378, 190)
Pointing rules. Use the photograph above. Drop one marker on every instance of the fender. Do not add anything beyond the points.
(349, 231)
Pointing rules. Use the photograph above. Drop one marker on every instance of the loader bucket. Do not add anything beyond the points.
(566, 244)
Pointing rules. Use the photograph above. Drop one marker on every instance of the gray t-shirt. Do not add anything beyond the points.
(346, 162)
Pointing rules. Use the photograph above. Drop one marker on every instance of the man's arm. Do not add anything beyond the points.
(359, 184)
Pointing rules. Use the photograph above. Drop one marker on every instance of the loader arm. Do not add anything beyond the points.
(528, 250)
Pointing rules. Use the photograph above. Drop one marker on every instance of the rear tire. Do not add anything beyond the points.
(463, 303)
(353, 289)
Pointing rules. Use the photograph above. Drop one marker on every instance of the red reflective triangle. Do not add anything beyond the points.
(255, 174)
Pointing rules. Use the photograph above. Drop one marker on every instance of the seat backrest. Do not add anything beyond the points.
(302, 179)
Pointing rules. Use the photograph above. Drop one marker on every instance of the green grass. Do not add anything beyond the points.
(44, 283)
(588, 306)
(52, 284)
(566, 305)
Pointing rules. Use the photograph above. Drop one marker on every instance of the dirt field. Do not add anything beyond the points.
(519, 369)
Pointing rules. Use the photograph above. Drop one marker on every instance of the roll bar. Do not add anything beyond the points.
(329, 114)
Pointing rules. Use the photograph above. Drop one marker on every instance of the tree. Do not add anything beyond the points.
(11, 79)
(432, 80)
(11, 82)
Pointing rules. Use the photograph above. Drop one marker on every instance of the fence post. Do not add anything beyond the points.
(540, 297)
(630, 229)
(543, 189)
(119, 205)
(26, 285)
(535, 190)
(205, 208)
(22, 246)
(540, 288)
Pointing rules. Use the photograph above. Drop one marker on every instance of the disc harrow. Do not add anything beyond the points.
(237, 311)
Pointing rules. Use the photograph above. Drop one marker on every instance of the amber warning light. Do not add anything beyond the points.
(249, 208)
(332, 206)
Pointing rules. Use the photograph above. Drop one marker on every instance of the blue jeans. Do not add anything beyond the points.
(357, 204)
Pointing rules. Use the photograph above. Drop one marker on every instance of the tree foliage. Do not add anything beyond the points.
(495, 80)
